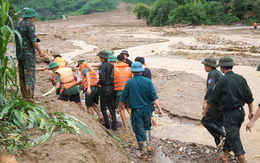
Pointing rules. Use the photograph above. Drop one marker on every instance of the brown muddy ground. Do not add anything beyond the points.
(180, 93)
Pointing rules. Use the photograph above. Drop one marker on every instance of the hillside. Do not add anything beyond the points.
(54, 9)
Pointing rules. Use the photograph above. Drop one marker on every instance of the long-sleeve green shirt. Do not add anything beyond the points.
(232, 90)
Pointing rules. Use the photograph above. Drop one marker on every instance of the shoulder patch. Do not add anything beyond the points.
(209, 81)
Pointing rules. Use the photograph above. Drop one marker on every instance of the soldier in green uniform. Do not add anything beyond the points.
(26, 54)
(107, 89)
(213, 121)
(233, 92)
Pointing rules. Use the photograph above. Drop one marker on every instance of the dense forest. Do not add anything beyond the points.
(170, 12)
(154, 12)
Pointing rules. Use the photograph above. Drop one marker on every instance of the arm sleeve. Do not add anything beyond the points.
(153, 92)
(85, 70)
(57, 77)
(215, 95)
(112, 74)
(125, 94)
(31, 34)
(211, 83)
(249, 98)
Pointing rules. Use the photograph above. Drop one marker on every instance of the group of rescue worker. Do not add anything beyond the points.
(121, 85)
(222, 110)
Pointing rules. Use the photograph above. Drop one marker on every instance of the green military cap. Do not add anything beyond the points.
(103, 54)
(29, 13)
(52, 65)
(109, 53)
(209, 61)
(80, 62)
(226, 61)
(112, 58)
(125, 52)
(258, 68)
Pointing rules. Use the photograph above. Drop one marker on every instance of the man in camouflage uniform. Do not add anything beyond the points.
(26, 54)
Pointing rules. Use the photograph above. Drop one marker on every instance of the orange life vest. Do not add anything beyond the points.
(255, 24)
(60, 61)
(66, 77)
(92, 74)
(122, 73)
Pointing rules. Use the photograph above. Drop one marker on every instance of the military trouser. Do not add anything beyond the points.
(141, 121)
(233, 120)
(107, 101)
(213, 122)
(27, 79)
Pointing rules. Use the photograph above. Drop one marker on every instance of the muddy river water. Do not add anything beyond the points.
(181, 129)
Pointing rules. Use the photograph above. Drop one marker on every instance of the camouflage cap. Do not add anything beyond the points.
(80, 62)
(209, 61)
(226, 61)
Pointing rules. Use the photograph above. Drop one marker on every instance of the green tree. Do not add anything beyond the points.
(256, 8)
(160, 12)
(188, 13)
(239, 8)
(128, 9)
(141, 11)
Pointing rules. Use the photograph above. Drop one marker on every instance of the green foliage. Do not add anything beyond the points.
(99, 6)
(239, 8)
(141, 11)
(160, 11)
(16, 116)
(128, 9)
(189, 13)
(22, 116)
(251, 21)
(215, 12)
(229, 18)
(256, 8)
(148, 2)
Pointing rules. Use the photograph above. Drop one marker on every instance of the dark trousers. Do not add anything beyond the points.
(213, 122)
(107, 101)
(141, 121)
(27, 79)
(233, 120)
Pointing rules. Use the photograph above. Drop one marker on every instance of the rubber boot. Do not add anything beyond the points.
(104, 113)
(149, 141)
(143, 149)
(113, 114)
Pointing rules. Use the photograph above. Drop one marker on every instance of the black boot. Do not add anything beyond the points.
(105, 117)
